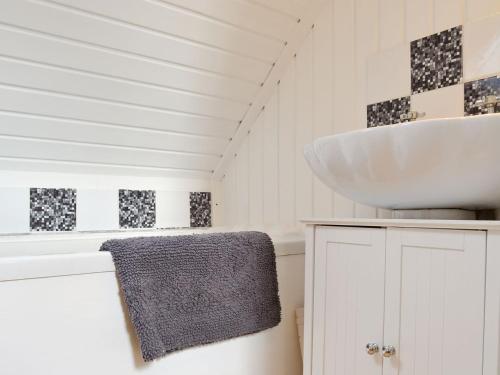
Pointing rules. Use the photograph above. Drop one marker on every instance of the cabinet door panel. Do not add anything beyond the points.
(434, 301)
(348, 300)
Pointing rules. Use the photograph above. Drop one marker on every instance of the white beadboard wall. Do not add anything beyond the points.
(268, 184)
(134, 94)
(133, 87)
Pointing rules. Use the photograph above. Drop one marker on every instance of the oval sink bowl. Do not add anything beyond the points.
(442, 163)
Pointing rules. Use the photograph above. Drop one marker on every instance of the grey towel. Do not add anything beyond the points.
(183, 291)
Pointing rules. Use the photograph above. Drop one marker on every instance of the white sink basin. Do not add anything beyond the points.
(445, 163)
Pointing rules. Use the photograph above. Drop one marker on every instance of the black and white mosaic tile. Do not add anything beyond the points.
(436, 60)
(388, 112)
(200, 209)
(52, 209)
(137, 208)
(477, 90)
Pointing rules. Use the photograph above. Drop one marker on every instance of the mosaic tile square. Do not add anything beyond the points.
(137, 208)
(52, 209)
(477, 90)
(387, 112)
(437, 60)
(200, 209)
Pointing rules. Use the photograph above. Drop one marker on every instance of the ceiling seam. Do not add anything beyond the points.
(302, 29)
(118, 52)
(111, 125)
(168, 4)
(128, 24)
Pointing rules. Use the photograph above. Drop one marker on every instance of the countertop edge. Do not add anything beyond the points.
(406, 223)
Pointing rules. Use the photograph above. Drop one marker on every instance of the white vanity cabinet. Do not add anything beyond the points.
(386, 298)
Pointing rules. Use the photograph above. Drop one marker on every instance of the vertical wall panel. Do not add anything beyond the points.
(271, 182)
(476, 9)
(231, 191)
(392, 23)
(256, 181)
(234, 203)
(448, 13)
(286, 147)
(304, 129)
(243, 188)
(322, 101)
(419, 18)
(343, 82)
(218, 200)
(367, 43)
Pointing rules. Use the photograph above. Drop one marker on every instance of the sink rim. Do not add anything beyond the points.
(401, 146)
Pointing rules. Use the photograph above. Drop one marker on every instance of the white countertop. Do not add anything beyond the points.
(407, 223)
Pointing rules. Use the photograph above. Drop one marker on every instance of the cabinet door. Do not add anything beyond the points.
(434, 312)
(348, 307)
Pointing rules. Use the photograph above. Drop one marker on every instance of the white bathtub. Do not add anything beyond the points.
(61, 313)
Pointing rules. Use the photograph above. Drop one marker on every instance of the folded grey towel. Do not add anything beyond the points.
(183, 291)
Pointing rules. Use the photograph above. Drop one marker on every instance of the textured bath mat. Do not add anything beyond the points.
(183, 291)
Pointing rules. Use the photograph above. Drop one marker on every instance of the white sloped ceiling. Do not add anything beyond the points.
(133, 86)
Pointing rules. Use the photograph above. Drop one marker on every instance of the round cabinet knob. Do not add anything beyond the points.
(388, 351)
(371, 348)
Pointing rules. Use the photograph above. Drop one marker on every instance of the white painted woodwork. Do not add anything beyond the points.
(48, 18)
(286, 147)
(322, 113)
(492, 306)
(42, 127)
(26, 45)
(115, 155)
(256, 165)
(392, 23)
(276, 74)
(53, 105)
(448, 13)
(348, 309)
(247, 14)
(155, 16)
(63, 173)
(270, 157)
(310, 245)
(431, 293)
(434, 301)
(477, 9)
(79, 85)
(290, 7)
(243, 197)
(304, 130)
(147, 74)
(69, 319)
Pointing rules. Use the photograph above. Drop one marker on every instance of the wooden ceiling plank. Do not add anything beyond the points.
(28, 101)
(59, 80)
(59, 166)
(112, 34)
(57, 52)
(20, 125)
(242, 14)
(17, 147)
(182, 24)
(292, 8)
